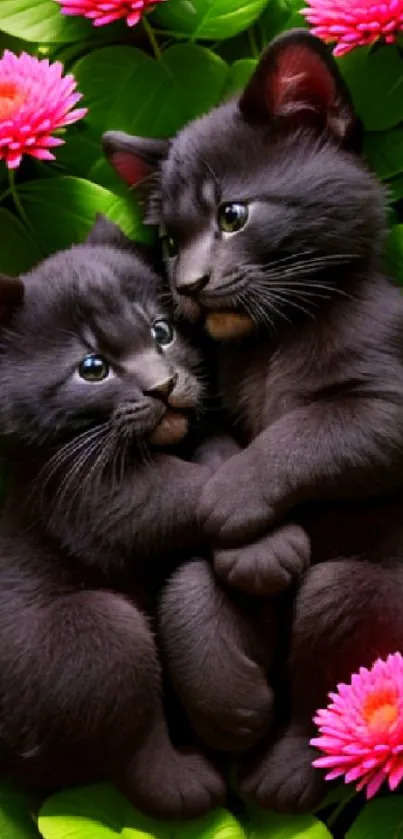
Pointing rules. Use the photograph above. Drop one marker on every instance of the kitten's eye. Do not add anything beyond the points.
(170, 246)
(93, 368)
(163, 332)
(232, 217)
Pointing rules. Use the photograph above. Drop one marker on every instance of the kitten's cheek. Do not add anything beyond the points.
(170, 430)
(225, 326)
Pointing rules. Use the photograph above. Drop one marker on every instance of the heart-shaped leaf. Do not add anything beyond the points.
(19, 251)
(16, 821)
(379, 819)
(209, 19)
(264, 825)
(40, 21)
(126, 89)
(100, 812)
(61, 211)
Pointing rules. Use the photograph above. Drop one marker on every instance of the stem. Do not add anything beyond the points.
(340, 807)
(152, 39)
(17, 202)
(252, 43)
(5, 194)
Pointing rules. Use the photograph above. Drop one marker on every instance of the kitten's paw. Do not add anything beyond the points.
(185, 786)
(284, 779)
(239, 725)
(268, 566)
(233, 509)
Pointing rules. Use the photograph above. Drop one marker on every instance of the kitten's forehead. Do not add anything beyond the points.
(117, 293)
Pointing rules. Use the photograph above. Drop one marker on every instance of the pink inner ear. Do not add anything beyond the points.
(301, 81)
(129, 167)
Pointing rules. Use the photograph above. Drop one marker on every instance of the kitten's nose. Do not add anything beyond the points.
(191, 288)
(162, 390)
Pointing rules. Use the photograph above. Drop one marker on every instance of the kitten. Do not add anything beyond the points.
(97, 390)
(274, 231)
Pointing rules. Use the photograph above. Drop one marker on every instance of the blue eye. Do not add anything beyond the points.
(93, 368)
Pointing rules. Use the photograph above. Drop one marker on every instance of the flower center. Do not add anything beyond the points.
(380, 709)
(11, 98)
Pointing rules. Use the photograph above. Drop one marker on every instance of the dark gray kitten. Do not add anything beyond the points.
(97, 389)
(274, 230)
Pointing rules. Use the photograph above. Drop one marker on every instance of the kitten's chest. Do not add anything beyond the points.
(259, 383)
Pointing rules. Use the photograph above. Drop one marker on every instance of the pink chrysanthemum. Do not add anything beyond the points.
(361, 730)
(355, 24)
(35, 101)
(102, 12)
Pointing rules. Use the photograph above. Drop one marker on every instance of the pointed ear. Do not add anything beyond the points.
(106, 232)
(11, 295)
(297, 82)
(133, 158)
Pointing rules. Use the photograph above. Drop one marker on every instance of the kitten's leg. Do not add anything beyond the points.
(217, 658)
(347, 614)
(81, 686)
(269, 565)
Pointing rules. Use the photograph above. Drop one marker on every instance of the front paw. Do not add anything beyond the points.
(268, 566)
(284, 778)
(233, 509)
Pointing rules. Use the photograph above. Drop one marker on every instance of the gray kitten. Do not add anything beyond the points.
(273, 233)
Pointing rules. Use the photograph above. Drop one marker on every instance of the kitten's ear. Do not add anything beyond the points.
(133, 158)
(297, 81)
(106, 232)
(11, 295)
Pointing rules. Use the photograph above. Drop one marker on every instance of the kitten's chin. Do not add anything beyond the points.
(225, 326)
(170, 430)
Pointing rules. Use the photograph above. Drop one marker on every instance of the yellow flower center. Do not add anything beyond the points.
(380, 709)
(10, 99)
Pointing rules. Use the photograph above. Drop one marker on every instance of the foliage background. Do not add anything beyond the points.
(184, 58)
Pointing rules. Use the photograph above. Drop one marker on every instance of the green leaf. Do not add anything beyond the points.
(239, 74)
(375, 79)
(279, 16)
(61, 211)
(209, 19)
(16, 821)
(264, 825)
(125, 89)
(18, 253)
(100, 812)
(384, 152)
(395, 187)
(40, 21)
(379, 819)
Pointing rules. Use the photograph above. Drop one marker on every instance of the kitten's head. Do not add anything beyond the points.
(88, 352)
(264, 204)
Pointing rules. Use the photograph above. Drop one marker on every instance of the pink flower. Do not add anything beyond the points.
(353, 24)
(35, 101)
(361, 730)
(102, 12)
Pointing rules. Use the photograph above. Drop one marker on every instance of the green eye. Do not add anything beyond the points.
(93, 368)
(232, 217)
(163, 332)
(170, 246)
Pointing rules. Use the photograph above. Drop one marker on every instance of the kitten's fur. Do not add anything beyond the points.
(95, 518)
(315, 385)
